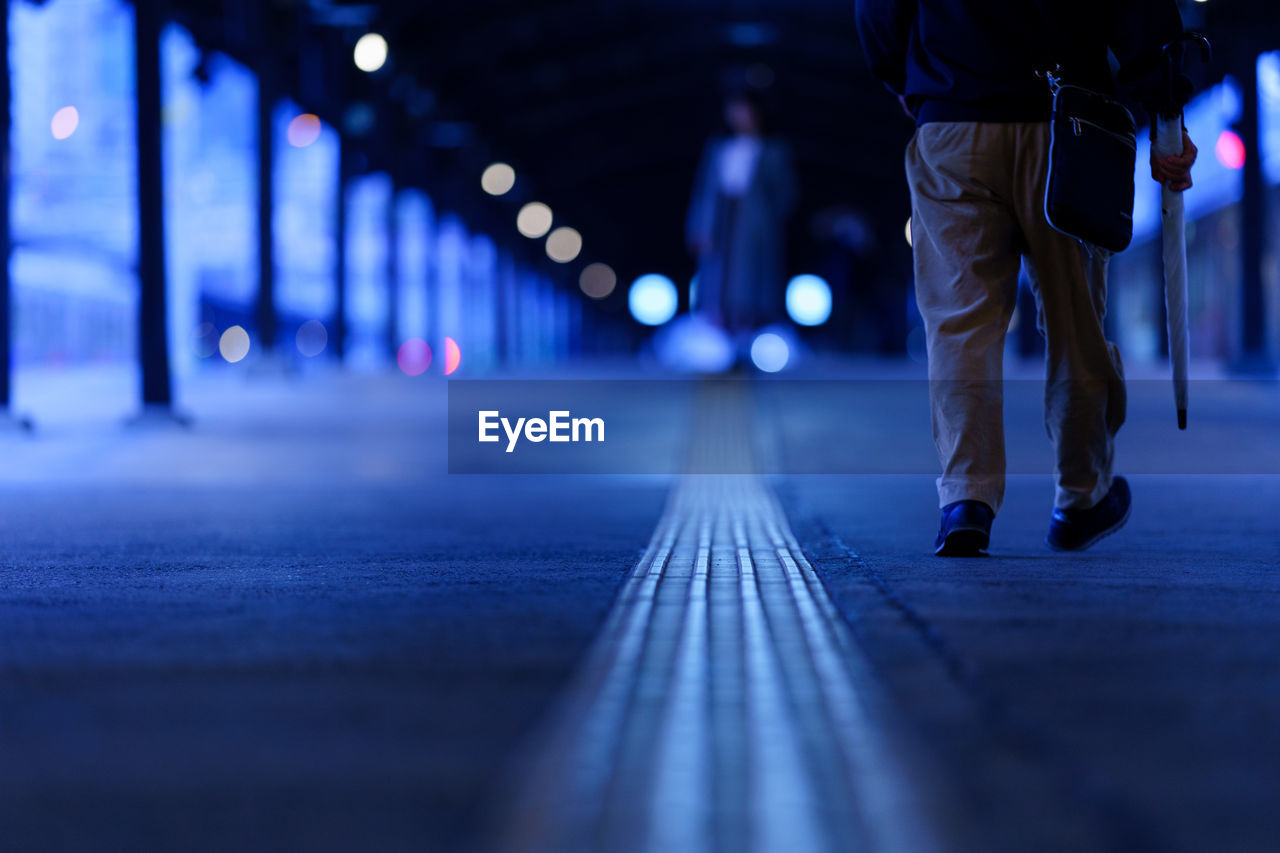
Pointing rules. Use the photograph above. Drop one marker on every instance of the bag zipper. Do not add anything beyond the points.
(1076, 121)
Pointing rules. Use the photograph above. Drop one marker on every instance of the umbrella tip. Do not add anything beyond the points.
(1182, 418)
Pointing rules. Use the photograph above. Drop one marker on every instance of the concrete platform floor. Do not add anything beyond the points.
(288, 628)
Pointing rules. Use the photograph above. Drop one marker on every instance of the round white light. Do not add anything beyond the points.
(534, 220)
(563, 245)
(598, 280)
(371, 52)
(769, 352)
(907, 232)
(808, 300)
(65, 121)
(234, 344)
(498, 179)
(652, 299)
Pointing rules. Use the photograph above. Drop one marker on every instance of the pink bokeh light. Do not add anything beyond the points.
(414, 357)
(452, 356)
(1230, 150)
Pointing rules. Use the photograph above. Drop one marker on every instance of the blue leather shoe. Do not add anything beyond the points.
(966, 529)
(1077, 529)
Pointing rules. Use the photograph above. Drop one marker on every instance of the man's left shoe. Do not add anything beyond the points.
(966, 529)
(1077, 529)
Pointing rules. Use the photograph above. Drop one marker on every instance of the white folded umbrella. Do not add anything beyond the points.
(1168, 142)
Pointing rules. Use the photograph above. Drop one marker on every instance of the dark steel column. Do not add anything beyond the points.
(1253, 226)
(338, 330)
(266, 307)
(153, 336)
(5, 294)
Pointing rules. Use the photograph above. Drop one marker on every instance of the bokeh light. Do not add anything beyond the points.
(303, 130)
(769, 352)
(65, 121)
(312, 338)
(534, 220)
(452, 356)
(1230, 150)
(371, 52)
(563, 245)
(692, 344)
(234, 344)
(498, 179)
(808, 300)
(206, 340)
(598, 280)
(917, 345)
(414, 356)
(907, 232)
(359, 119)
(652, 299)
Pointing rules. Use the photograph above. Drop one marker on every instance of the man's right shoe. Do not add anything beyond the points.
(966, 529)
(1077, 529)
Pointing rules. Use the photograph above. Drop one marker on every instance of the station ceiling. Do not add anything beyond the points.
(603, 106)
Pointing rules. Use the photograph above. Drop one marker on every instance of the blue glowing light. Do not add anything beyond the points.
(808, 300)
(691, 344)
(652, 299)
(769, 352)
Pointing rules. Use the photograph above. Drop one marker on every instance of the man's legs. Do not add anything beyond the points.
(966, 240)
(1084, 382)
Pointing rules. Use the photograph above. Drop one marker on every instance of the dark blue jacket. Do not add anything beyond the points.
(976, 60)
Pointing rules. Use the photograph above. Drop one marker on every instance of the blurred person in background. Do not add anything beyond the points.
(742, 196)
(966, 72)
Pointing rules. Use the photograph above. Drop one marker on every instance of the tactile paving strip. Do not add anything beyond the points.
(724, 705)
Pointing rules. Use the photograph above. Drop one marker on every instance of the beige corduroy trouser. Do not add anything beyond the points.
(977, 199)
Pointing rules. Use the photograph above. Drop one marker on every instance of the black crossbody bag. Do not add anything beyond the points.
(1092, 156)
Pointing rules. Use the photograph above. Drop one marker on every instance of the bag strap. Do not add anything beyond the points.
(1054, 78)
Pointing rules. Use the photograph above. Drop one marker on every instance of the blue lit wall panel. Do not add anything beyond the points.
(1213, 232)
(529, 314)
(480, 306)
(1269, 106)
(547, 322)
(210, 193)
(538, 315)
(450, 274)
(1216, 185)
(368, 212)
(509, 298)
(74, 218)
(564, 323)
(415, 228)
(305, 219)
